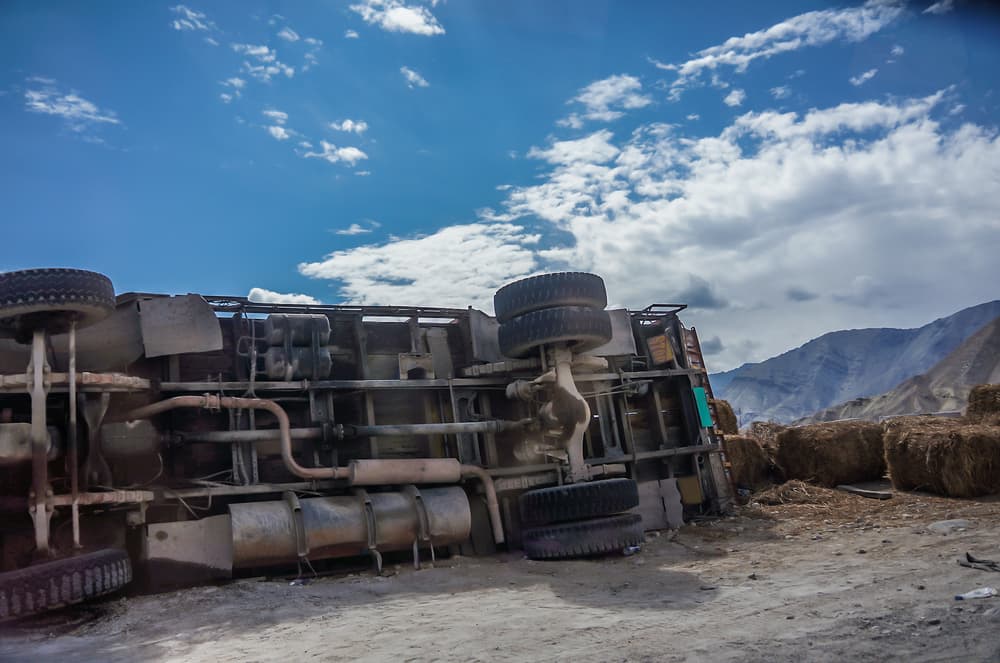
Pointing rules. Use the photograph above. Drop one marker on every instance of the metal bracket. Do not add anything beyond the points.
(370, 526)
(301, 544)
(423, 524)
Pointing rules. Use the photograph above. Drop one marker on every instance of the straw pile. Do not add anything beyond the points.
(749, 464)
(766, 432)
(830, 454)
(947, 457)
(984, 405)
(725, 418)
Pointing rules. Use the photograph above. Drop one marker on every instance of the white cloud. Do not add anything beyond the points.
(941, 7)
(770, 206)
(276, 116)
(607, 99)
(413, 79)
(395, 16)
(288, 34)
(189, 19)
(267, 65)
(211, 42)
(358, 229)
(863, 78)
(362, 173)
(571, 121)
(595, 148)
(395, 272)
(235, 86)
(814, 28)
(80, 115)
(897, 50)
(693, 116)
(278, 132)
(351, 34)
(264, 296)
(735, 98)
(334, 154)
(356, 126)
(781, 92)
(312, 41)
(504, 187)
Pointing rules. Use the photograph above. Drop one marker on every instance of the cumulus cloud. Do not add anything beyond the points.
(333, 154)
(814, 28)
(235, 87)
(729, 220)
(863, 78)
(735, 98)
(607, 99)
(781, 92)
(276, 116)
(190, 19)
(413, 79)
(897, 50)
(397, 272)
(45, 96)
(267, 64)
(355, 126)
(288, 34)
(264, 296)
(351, 34)
(395, 16)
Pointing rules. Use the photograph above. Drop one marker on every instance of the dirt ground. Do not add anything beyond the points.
(810, 574)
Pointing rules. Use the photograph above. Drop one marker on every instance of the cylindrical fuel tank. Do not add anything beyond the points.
(265, 533)
(301, 364)
(300, 326)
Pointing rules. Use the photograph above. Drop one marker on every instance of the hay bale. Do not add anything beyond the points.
(943, 456)
(984, 405)
(766, 432)
(725, 418)
(830, 454)
(749, 463)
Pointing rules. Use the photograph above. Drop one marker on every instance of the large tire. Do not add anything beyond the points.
(51, 299)
(548, 290)
(578, 501)
(584, 537)
(62, 582)
(582, 328)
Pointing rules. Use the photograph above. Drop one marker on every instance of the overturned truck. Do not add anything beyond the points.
(187, 438)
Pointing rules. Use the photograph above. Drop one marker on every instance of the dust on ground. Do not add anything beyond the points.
(802, 573)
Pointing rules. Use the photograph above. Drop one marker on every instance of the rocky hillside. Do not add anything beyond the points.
(943, 388)
(844, 365)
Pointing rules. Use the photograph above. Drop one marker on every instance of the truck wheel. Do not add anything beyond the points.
(583, 328)
(548, 290)
(583, 537)
(578, 501)
(51, 299)
(62, 582)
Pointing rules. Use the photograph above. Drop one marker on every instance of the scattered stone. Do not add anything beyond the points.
(707, 588)
(949, 526)
(752, 576)
(861, 551)
(933, 622)
(790, 617)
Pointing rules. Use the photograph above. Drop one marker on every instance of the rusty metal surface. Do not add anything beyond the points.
(206, 543)
(84, 382)
(404, 470)
(15, 444)
(175, 325)
(264, 533)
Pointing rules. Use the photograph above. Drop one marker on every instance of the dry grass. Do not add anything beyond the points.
(984, 404)
(830, 454)
(749, 463)
(948, 457)
(726, 418)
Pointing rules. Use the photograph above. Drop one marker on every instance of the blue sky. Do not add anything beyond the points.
(786, 168)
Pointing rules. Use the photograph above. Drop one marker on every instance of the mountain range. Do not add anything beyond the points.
(845, 365)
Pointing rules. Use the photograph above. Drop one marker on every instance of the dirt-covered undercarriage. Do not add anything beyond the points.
(195, 437)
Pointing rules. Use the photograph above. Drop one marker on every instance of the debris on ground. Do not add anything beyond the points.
(984, 405)
(981, 593)
(749, 463)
